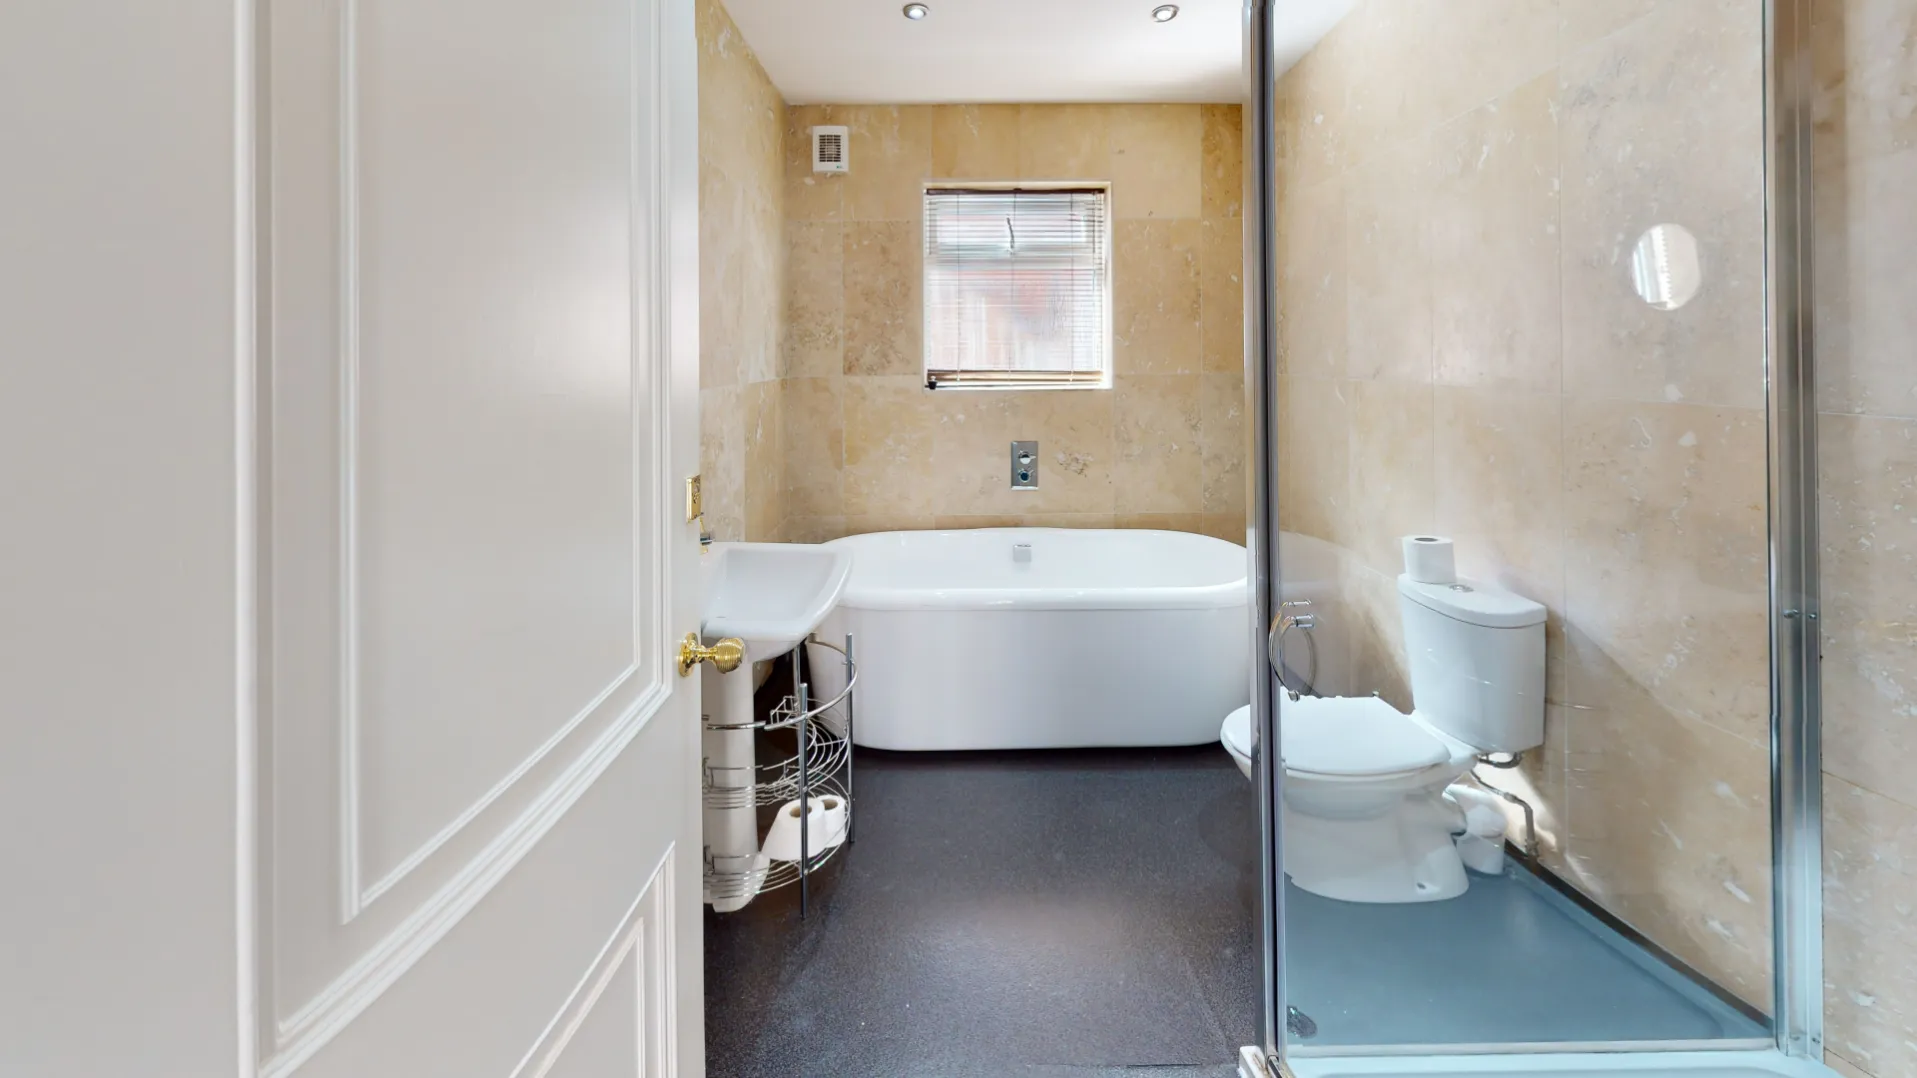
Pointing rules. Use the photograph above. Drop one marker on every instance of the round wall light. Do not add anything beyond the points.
(915, 12)
(1165, 13)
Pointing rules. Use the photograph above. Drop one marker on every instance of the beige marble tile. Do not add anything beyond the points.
(1870, 936)
(1480, 49)
(1221, 291)
(1064, 142)
(1314, 497)
(814, 299)
(1067, 520)
(1669, 829)
(1865, 275)
(1375, 636)
(1160, 460)
(1582, 22)
(1500, 498)
(888, 522)
(1312, 282)
(738, 255)
(1227, 526)
(1868, 494)
(763, 318)
(1864, 58)
(764, 460)
(1493, 233)
(890, 152)
(722, 463)
(1393, 473)
(882, 306)
(1222, 437)
(1155, 297)
(1164, 522)
(1666, 558)
(801, 529)
(1846, 1068)
(810, 196)
(966, 523)
(1662, 122)
(1500, 487)
(1325, 661)
(719, 334)
(1157, 158)
(1388, 206)
(975, 142)
(1385, 47)
(890, 427)
(741, 114)
(1222, 174)
(859, 315)
(814, 446)
(740, 190)
(974, 435)
(1313, 129)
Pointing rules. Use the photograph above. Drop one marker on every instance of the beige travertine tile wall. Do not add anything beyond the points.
(1463, 352)
(868, 448)
(1865, 60)
(741, 272)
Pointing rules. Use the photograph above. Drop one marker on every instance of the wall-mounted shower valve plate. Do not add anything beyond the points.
(1024, 465)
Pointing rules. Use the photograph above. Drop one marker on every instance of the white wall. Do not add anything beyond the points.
(117, 538)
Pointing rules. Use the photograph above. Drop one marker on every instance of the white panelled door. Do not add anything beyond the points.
(477, 781)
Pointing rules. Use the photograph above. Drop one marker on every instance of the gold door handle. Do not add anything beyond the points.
(727, 654)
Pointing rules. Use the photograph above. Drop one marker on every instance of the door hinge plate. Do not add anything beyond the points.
(693, 509)
(1253, 1063)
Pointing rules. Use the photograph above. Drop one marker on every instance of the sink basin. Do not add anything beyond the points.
(771, 595)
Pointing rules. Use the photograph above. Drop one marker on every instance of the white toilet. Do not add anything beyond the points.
(1365, 816)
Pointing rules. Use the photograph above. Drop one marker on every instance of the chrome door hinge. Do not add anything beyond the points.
(1254, 1063)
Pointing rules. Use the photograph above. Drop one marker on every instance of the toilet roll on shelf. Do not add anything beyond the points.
(1430, 559)
(824, 828)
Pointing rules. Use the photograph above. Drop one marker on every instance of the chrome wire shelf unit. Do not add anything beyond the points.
(827, 753)
(744, 877)
(821, 767)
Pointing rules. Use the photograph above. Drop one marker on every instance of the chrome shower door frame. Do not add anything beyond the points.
(1797, 770)
(1795, 689)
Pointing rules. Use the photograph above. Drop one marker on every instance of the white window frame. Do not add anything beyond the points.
(1013, 380)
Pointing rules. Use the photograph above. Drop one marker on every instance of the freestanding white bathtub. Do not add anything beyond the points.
(1027, 638)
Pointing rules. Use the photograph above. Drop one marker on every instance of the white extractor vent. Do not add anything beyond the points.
(828, 150)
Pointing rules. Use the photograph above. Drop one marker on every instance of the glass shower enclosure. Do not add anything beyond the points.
(1534, 534)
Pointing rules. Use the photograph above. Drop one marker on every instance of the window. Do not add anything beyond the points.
(1017, 287)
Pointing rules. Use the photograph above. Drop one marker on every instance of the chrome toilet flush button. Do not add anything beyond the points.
(1021, 552)
(1024, 465)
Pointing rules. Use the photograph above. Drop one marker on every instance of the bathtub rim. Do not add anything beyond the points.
(1220, 596)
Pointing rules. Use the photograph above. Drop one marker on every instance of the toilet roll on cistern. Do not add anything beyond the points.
(1429, 559)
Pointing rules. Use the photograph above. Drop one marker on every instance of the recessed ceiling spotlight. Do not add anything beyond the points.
(1165, 13)
(915, 12)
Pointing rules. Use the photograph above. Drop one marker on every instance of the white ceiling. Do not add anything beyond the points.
(866, 52)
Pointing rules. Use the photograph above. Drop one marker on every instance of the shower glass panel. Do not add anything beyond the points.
(1519, 419)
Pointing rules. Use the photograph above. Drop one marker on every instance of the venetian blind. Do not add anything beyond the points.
(1017, 287)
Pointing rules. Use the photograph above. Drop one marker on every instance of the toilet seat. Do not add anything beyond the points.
(1344, 737)
(1237, 732)
(1355, 737)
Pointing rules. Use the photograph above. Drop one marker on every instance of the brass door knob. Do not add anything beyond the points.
(727, 654)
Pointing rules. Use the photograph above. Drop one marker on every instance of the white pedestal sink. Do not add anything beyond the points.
(769, 596)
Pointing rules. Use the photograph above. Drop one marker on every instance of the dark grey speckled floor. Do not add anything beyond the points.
(1091, 915)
